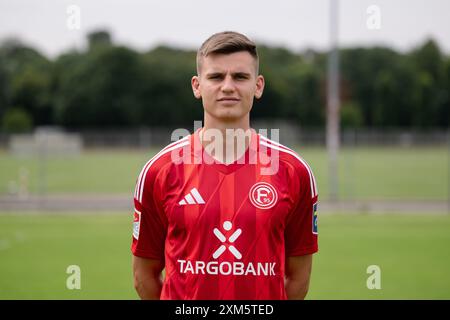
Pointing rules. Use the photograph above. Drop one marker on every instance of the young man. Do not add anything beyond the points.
(228, 213)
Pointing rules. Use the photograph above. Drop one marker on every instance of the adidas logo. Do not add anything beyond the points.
(193, 197)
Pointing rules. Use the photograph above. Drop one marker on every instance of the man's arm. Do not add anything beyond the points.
(147, 277)
(298, 272)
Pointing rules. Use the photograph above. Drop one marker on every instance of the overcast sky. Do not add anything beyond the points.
(296, 24)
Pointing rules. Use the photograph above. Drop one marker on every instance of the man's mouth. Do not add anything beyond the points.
(228, 99)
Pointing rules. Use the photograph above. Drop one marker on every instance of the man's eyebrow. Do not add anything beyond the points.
(241, 73)
(216, 73)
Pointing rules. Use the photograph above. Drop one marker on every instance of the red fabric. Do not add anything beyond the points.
(251, 265)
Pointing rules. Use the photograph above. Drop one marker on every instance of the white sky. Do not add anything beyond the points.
(296, 24)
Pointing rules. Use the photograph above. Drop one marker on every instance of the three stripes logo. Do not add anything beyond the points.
(193, 197)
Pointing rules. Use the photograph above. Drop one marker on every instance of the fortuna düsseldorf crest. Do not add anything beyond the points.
(263, 195)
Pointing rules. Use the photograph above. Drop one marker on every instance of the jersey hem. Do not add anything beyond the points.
(304, 251)
(145, 254)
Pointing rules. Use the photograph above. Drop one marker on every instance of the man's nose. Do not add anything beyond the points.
(228, 84)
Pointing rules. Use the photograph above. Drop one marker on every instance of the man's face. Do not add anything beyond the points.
(227, 84)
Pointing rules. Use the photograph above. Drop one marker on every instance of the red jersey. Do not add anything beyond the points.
(224, 231)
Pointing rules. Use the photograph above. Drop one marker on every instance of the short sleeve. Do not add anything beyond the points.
(149, 223)
(301, 225)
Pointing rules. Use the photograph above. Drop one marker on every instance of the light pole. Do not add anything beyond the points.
(333, 102)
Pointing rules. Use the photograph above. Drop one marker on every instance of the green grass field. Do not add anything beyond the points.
(365, 173)
(411, 250)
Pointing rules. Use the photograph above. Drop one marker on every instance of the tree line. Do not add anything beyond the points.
(113, 86)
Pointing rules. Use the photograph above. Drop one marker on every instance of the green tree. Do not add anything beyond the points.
(360, 67)
(114, 86)
(16, 120)
(99, 89)
(26, 77)
(99, 39)
(167, 95)
(432, 87)
(351, 116)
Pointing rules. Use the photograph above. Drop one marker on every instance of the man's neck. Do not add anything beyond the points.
(226, 141)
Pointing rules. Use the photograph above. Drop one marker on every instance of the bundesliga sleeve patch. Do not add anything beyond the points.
(136, 224)
(314, 218)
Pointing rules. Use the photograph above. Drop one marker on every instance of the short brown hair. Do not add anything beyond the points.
(225, 43)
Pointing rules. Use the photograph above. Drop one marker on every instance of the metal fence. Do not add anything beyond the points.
(290, 135)
(354, 195)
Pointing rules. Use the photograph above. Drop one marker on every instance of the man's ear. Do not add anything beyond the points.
(196, 87)
(259, 86)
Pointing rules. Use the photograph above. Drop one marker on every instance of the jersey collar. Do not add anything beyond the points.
(202, 157)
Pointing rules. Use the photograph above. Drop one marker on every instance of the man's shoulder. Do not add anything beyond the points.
(169, 154)
(291, 159)
(285, 154)
(156, 164)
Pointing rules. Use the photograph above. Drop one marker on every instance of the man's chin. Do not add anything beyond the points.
(229, 116)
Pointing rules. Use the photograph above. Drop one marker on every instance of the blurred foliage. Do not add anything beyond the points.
(351, 116)
(108, 85)
(17, 120)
